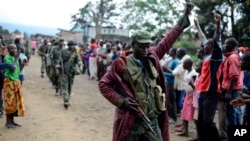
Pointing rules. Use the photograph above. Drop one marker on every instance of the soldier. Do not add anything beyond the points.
(135, 85)
(54, 55)
(27, 49)
(43, 50)
(70, 59)
(48, 60)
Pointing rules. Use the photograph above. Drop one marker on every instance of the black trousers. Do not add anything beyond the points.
(207, 129)
(172, 105)
(177, 101)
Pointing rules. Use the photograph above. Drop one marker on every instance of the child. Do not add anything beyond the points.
(196, 96)
(24, 60)
(187, 112)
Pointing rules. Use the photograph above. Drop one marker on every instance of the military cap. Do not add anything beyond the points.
(70, 43)
(141, 37)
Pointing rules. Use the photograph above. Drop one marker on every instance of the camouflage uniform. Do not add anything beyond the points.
(70, 60)
(54, 56)
(27, 49)
(43, 50)
(49, 63)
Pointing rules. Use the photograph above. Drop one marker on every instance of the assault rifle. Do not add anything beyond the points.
(146, 120)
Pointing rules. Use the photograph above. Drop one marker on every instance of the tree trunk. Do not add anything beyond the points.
(232, 18)
(98, 32)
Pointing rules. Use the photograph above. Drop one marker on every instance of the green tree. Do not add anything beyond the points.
(16, 31)
(97, 14)
(235, 17)
(3, 31)
(152, 15)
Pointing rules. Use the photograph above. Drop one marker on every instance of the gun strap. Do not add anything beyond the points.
(129, 77)
(153, 135)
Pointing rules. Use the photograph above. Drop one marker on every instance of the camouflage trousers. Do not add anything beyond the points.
(49, 72)
(55, 78)
(139, 133)
(66, 83)
(43, 65)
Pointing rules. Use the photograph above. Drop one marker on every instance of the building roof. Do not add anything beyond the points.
(38, 34)
(69, 30)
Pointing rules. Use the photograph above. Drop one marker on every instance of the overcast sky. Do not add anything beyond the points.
(47, 13)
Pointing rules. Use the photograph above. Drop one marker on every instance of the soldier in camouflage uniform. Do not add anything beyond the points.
(71, 62)
(43, 50)
(27, 50)
(54, 55)
(48, 60)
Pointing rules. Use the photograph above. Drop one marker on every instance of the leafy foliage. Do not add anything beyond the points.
(234, 13)
(16, 31)
(3, 31)
(96, 14)
(157, 16)
(150, 15)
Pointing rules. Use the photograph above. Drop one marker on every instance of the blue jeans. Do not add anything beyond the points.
(233, 113)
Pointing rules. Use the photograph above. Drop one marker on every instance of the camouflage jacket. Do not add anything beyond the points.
(55, 54)
(43, 50)
(71, 61)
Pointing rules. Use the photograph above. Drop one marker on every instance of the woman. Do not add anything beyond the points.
(13, 98)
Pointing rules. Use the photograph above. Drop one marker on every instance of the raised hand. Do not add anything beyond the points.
(217, 17)
(189, 8)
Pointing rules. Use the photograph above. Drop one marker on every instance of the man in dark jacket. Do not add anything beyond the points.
(141, 77)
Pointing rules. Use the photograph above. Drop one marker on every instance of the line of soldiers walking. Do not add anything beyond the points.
(61, 65)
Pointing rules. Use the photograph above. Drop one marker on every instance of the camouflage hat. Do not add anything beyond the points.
(141, 37)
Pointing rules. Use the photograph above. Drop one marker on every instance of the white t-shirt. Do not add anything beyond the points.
(22, 57)
(188, 76)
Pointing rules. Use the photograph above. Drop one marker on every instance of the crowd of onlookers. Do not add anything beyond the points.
(13, 60)
(97, 56)
(195, 90)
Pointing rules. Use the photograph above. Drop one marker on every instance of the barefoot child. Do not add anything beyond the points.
(187, 112)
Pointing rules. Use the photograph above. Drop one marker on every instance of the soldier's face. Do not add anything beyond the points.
(71, 47)
(141, 50)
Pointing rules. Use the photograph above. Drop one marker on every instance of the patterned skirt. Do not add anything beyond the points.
(13, 97)
(187, 112)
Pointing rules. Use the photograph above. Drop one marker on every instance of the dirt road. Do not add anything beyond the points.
(89, 118)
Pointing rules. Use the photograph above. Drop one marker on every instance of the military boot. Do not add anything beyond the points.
(66, 104)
